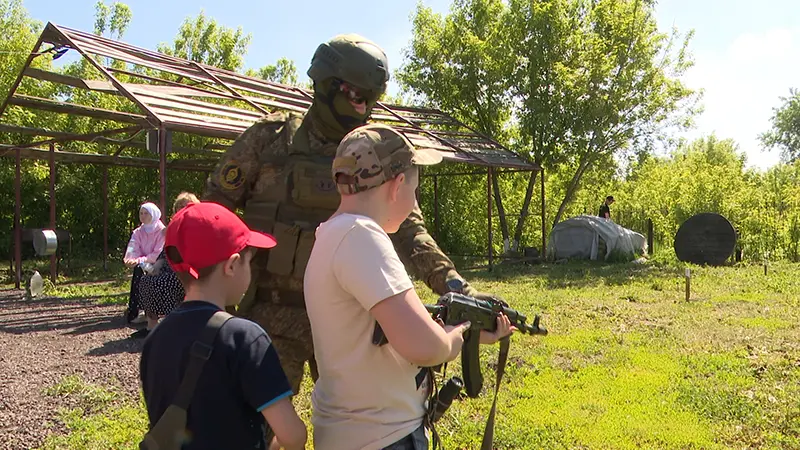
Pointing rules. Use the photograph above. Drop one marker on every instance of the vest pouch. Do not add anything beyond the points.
(281, 257)
(303, 253)
(313, 186)
(260, 215)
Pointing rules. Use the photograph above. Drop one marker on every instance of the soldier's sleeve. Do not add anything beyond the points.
(422, 256)
(230, 182)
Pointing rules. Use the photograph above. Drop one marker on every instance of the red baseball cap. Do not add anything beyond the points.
(207, 233)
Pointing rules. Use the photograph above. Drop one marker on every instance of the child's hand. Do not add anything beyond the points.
(129, 262)
(504, 328)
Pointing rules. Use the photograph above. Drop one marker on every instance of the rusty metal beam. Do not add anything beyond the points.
(544, 224)
(60, 78)
(197, 165)
(89, 137)
(162, 167)
(18, 219)
(105, 218)
(52, 161)
(130, 95)
(81, 110)
(489, 214)
(233, 92)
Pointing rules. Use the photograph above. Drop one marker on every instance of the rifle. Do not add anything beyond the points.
(454, 308)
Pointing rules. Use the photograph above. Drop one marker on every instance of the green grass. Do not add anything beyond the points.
(98, 417)
(628, 363)
(84, 280)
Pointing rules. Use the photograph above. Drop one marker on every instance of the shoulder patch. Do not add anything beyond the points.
(230, 177)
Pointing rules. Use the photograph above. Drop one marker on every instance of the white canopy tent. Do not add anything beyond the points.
(592, 237)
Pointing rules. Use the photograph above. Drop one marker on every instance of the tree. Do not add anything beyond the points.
(785, 132)
(580, 79)
(460, 64)
(202, 40)
(112, 19)
(283, 71)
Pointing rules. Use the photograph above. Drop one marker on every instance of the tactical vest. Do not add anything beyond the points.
(301, 195)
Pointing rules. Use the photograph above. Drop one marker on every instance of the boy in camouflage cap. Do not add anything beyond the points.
(369, 396)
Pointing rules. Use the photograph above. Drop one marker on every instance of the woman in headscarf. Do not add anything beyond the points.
(146, 242)
(160, 290)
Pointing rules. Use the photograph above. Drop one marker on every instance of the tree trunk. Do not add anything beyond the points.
(524, 213)
(573, 186)
(500, 212)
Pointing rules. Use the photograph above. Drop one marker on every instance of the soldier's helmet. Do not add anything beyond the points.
(353, 59)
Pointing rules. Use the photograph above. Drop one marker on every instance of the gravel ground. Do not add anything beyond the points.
(43, 340)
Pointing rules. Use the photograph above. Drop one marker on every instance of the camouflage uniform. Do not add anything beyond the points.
(279, 173)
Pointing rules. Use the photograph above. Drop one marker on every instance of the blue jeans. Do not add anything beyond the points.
(414, 441)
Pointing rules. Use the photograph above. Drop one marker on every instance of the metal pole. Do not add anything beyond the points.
(17, 219)
(105, 218)
(162, 167)
(53, 271)
(436, 205)
(544, 216)
(489, 212)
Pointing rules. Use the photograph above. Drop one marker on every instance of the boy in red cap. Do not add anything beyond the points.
(241, 386)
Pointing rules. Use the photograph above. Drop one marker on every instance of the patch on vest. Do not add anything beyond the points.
(230, 176)
(325, 185)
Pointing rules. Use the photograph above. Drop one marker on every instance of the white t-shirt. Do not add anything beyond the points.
(366, 397)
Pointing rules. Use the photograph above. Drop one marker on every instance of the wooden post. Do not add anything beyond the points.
(436, 206)
(489, 213)
(650, 235)
(162, 168)
(544, 225)
(17, 220)
(688, 275)
(53, 271)
(105, 218)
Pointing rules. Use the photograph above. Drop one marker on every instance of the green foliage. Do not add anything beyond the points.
(570, 82)
(202, 40)
(785, 132)
(283, 71)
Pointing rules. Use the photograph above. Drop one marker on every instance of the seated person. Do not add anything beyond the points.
(242, 387)
(368, 396)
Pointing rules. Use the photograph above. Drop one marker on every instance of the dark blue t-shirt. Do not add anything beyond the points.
(242, 377)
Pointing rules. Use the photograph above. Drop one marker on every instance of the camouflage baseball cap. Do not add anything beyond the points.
(373, 154)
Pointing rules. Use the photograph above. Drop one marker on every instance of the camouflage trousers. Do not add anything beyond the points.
(283, 316)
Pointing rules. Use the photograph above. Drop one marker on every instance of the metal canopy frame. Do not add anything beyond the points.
(166, 94)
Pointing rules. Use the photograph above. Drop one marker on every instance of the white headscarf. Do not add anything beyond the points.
(155, 213)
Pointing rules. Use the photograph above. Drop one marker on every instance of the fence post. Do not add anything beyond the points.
(650, 235)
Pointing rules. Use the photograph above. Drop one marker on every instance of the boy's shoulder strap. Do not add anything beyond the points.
(198, 355)
(169, 432)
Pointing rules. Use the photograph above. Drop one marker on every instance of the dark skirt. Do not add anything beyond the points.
(160, 292)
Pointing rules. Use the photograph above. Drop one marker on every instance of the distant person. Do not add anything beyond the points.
(241, 389)
(160, 291)
(605, 211)
(144, 246)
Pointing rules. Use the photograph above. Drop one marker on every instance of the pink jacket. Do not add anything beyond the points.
(144, 246)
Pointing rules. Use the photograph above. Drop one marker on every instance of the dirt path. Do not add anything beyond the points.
(43, 340)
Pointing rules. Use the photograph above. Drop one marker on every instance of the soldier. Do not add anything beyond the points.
(279, 173)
